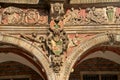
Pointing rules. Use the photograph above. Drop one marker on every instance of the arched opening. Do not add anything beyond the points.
(18, 63)
(101, 62)
(83, 50)
(31, 53)
(11, 70)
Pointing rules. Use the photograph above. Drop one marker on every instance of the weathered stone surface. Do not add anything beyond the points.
(21, 1)
(91, 1)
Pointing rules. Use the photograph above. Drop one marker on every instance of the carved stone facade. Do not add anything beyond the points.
(92, 16)
(58, 35)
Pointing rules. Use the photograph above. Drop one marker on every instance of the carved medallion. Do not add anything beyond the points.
(12, 15)
(31, 16)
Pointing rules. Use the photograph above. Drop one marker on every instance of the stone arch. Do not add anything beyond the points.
(106, 55)
(81, 49)
(34, 50)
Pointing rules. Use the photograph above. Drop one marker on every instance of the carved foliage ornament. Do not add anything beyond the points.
(14, 15)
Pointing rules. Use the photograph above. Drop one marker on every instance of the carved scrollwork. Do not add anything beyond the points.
(35, 39)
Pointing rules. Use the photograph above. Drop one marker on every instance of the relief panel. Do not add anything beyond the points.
(92, 16)
(17, 16)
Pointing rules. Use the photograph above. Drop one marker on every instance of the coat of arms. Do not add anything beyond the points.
(57, 42)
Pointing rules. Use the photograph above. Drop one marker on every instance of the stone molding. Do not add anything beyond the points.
(70, 61)
(32, 49)
(69, 29)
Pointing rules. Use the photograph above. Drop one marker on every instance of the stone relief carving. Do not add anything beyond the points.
(111, 37)
(110, 13)
(117, 16)
(72, 16)
(57, 37)
(95, 16)
(57, 10)
(89, 16)
(14, 15)
(36, 39)
(31, 16)
(57, 42)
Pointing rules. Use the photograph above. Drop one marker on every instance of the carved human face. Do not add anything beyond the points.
(57, 7)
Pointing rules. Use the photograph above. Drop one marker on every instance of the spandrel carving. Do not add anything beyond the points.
(35, 39)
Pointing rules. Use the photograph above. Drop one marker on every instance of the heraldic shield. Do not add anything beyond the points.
(57, 47)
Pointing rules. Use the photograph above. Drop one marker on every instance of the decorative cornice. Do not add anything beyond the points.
(69, 29)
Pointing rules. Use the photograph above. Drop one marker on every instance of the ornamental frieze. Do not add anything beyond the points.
(91, 16)
(15, 16)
